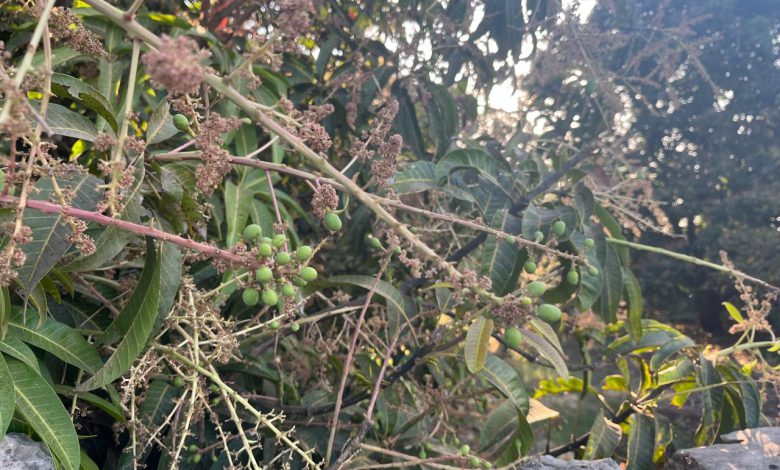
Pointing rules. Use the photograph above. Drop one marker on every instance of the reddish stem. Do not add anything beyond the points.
(48, 207)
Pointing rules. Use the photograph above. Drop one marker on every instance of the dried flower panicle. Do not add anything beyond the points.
(84, 243)
(306, 124)
(67, 27)
(324, 200)
(104, 142)
(383, 167)
(177, 65)
(215, 161)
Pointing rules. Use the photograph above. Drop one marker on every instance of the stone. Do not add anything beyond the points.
(19, 452)
(749, 449)
(547, 462)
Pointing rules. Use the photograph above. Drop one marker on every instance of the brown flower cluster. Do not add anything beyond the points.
(215, 160)
(17, 122)
(104, 142)
(12, 256)
(324, 200)
(84, 243)
(383, 167)
(293, 20)
(177, 65)
(67, 27)
(309, 129)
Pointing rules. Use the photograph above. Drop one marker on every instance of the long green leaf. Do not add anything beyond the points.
(238, 201)
(66, 86)
(141, 313)
(49, 231)
(500, 260)
(641, 442)
(63, 121)
(547, 351)
(635, 304)
(669, 349)
(7, 397)
(16, 348)
(417, 177)
(612, 286)
(5, 311)
(57, 338)
(500, 423)
(160, 126)
(604, 437)
(43, 410)
(477, 342)
(506, 380)
(110, 408)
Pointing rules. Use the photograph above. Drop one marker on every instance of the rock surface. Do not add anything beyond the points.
(547, 462)
(19, 452)
(750, 449)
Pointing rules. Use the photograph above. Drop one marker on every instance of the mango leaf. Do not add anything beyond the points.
(506, 380)
(246, 139)
(43, 410)
(66, 86)
(663, 437)
(160, 127)
(500, 423)
(5, 311)
(544, 329)
(750, 397)
(540, 219)
(443, 117)
(612, 285)
(635, 304)
(603, 439)
(679, 371)
(113, 410)
(490, 200)
(477, 341)
(733, 312)
(57, 338)
(238, 201)
(63, 121)
(16, 348)
(7, 397)
(113, 239)
(406, 121)
(135, 322)
(612, 225)
(547, 351)
(471, 159)
(49, 231)
(710, 382)
(669, 348)
(641, 442)
(500, 260)
(416, 177)
(590, 285)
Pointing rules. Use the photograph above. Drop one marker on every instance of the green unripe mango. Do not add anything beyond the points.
(464, 449)
(250, 297)
(536, 288)
(529, 267)
(299, 282)
(549, 313)
(308, 274)
(270, 297)
(265, 250)
(513, 337)
(278, 240)
(487, 465)
(510, 240)
(526, 300)
(192, 448)
(264, 274)
(303, 253)
(593, 271)
(252, 232)
(181, 122)
(283, 258)
(538, 236)
(196, 458)
(588, 243)
(422, 454)
(558, 228)
(332, 222)
(178, 382)
(474, 461)
(375, 243)
(288, 290)
(295, 327)
(274, 325)
(573, 277)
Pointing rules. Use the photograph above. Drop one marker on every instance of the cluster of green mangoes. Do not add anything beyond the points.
(463, 451)
(282, 275)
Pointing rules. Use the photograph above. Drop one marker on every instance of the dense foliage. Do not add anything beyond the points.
(299, 233)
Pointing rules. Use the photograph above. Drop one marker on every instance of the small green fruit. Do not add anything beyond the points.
(299, 282)
(375, 243)
(278, 240)
(265, 250)
(428, 446)
(549, 313)
(487, 465)
(308, 274)
(250, 296)
(593, 271)
(464, 449)
(213, 388)
(526, 300)
(252, 232)
(288, 290)
(536, 288)
(332, 222)
(530, 267)
(192, 448)
(474, 461)
(282, 258)
(270, 297)
(264, 274)
(538, 236)
(573, 277)
(513, 337)
(246, 120)
(181, 122)
(303, 253)
(558, 228)
(216, 401)
(588, 243)
(397, 250)
(178, 382)
(196, 458)
(413, 229)
(295, 327)
(274, 325)
(510, 240)
(422, 454)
